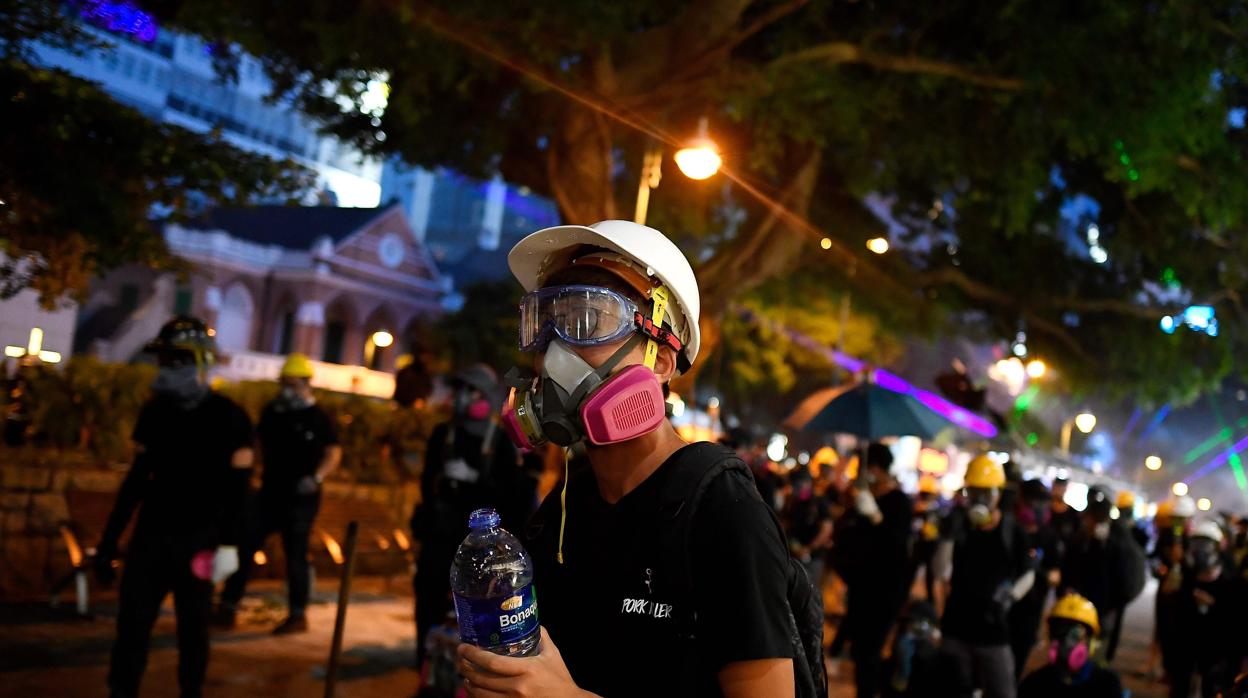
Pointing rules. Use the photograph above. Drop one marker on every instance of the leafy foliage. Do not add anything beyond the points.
(84, 177)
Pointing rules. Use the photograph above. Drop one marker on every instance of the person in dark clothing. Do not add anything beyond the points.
(808, 521)
(193, 458)
(1171, 522)
(1096, 562)
(918, 667)
(927, 517)
(992, 570)
(1210, 608)
(1071, 673)
(1065, 519)
(299, 446)
(469, 465)
(1033, 515)
(629, 606)
(877, 584)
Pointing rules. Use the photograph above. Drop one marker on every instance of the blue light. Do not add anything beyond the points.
(1198, 317)
(122, 18)
(1167, 325)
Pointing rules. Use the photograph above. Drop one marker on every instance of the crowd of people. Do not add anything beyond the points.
(704, 564)
(996, 556)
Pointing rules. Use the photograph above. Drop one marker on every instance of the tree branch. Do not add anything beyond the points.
(838, 52)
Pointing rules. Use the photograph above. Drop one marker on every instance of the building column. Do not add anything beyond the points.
(210, 306)
(309, 332)
(492, 217)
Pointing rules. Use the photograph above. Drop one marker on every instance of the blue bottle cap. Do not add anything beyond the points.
(483, 518)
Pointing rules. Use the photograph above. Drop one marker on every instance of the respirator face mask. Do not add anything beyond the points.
(572, 401)
(1070, 646)
(980, 504)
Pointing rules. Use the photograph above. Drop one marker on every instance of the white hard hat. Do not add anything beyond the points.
(1185, 507)
(1207, 529)
(541, 254)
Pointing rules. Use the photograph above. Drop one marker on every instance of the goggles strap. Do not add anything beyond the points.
(659, 299)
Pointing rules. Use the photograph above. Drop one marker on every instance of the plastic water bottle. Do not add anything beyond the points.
(492, 580)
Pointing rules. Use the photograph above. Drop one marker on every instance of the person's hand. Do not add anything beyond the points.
(307, 485)
(865, 504)
(224, 563)
(488, 675)
(1055, 577)
(102, 565)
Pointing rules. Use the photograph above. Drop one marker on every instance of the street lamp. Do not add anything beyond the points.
(699, 160)
(1153, 462)
(1179, 489)
(1036, 368)
(1085, 421)
(1204, 504)
(34, 347)
(878, 245)
(382, 339)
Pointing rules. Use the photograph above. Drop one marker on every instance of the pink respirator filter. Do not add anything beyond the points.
(626, 406)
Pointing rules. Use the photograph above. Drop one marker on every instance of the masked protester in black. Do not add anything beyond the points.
(1210, 608)
(469, 464)
(1033, 515)
(193, 457)
(1071, 672)
(299, 444)
(1100, 563)
(918, 667)
(878, 586)
(1065, 519)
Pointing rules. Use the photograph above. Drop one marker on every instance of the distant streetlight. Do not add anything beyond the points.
(1036, 368)
(877, 245)
(1153, 462)
(699, 160)
(1179, 489)
(382, 339)
(34, 347)
(1086, 422)
(1204, 504)
(826, 243)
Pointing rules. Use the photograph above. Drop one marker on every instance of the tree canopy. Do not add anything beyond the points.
(83, 178)
(982, 138)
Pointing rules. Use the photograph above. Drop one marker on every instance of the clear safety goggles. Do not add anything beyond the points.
(582, 316)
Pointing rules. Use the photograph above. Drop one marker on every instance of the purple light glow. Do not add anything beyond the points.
(122, 18)
(1218, 460)
(889, 381)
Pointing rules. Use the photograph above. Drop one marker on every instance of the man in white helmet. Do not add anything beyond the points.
(660, 569)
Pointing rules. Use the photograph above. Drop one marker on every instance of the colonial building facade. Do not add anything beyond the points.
(349, 287)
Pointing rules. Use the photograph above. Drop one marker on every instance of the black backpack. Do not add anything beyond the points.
(698, 465)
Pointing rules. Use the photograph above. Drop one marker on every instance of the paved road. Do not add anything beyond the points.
(43, 653)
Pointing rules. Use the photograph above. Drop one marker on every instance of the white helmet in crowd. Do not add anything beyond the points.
(539, 255)
(1207, 529)
(1185, 507)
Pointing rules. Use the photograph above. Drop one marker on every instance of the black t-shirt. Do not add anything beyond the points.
(614, 607)
(1046, 682)
(804, 518)
(190, 492)
(293, 442)
(983, 560)
(1217, 630)
(881, 575)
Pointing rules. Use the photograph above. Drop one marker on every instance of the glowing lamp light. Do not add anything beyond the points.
(1098, 254)
(1167, 324)
(877, 245)
(1086, 422)
(699, 162)
(401, 538)
(701, 159)
(260, 558)
(1153, 462)
(678, 405)
(382, 339)
(1204, 504)
(34, 347)
(826, 243)
(1179, 489)
(777, 446)
(1036, 368)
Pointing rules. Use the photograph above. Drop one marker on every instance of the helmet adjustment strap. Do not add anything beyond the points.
(653, 329)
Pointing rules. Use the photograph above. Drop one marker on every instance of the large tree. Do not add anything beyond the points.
(970, 127)
(84, 179)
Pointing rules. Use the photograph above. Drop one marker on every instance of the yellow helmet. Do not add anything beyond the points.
(927, 485)
(985, 473)
(1126, 499)
(297, 366)
(1075, 607)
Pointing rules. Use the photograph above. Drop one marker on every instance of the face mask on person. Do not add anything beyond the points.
(1070, 648)
(1203, 555)
(180, 384)
(572, 401)
(291, 398)
(470, 405)
(1100, 531)
(980, 505)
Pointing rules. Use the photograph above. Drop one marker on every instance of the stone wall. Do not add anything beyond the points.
(40, 496)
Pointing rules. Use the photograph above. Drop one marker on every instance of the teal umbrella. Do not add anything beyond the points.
(867, 411)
